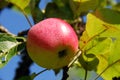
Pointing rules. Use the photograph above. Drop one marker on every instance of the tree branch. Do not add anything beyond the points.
(23, 33)
(23, 69)
(65, 75)
(4, 30)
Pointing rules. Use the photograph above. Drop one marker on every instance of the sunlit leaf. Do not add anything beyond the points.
(21, 4)
(102, 39)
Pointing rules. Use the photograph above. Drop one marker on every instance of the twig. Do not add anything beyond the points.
(75, 58)
(65, 69)
(26, 18)
(4, 30)
(35, 75)
(41, 72)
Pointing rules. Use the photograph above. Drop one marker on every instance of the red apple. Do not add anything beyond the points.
(52, 43)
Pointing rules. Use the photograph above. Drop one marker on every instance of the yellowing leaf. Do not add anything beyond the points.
(102, 38)
(102, 22)
(21, 4)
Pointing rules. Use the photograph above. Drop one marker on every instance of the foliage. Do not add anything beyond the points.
(102, 40)
(99, 43)
(9, 46)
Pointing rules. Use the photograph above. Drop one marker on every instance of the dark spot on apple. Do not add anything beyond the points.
(62, 53)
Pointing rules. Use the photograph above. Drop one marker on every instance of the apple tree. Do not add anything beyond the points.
(96, 23)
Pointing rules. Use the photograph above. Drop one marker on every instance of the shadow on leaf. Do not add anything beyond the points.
(89, 61)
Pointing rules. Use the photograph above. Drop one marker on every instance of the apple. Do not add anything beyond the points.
(52, 43)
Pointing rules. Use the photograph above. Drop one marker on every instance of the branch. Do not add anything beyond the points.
(65, 75)
(26, 18)
(66, 68)
(23, 33)
(75, 58)
(23, 69)
(4, 30)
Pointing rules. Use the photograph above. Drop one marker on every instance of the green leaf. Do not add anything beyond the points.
(59, 3)
(116, 6)
(83, 6)
(21, 4)
(88, 61)
(102, 39)
(25, 78)
(79, 6)
(22, 42)
(8, 48)
(37, 14)
(103, 15)
(31, 77)
(78, 73)
(52, 10)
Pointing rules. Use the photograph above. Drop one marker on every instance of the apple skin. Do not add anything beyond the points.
(52, 43)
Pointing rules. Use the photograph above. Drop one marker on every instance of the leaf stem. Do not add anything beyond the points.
(26, 18)
(107, 68)
(23, 13)
(85, 78)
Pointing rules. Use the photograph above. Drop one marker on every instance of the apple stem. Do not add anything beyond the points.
(75, 58)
